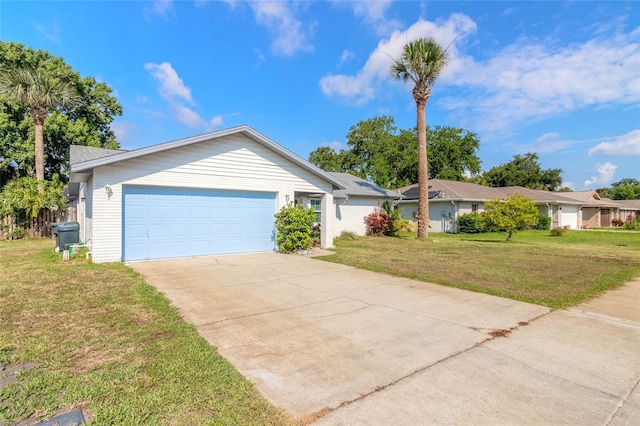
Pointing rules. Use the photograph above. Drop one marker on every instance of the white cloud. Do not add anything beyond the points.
(171, 85)
(334, 145)
(162, 8)
(51, 34)
(606, 171)
(290, 34)
(546, 144)
(361, 88)
(175, 93)
(260, 56)
(346, 55)
(122, 130)
(187, 116)
(215, 122)
(374, 13)
(625, 145)
(533, 80)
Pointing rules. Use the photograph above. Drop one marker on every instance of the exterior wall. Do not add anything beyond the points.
(326, 213)
(442, 215)
(350, 216)
(233, 163)
(590, 217)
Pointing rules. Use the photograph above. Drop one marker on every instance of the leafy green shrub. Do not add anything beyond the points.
(294, 226)
(632, 224)
(471, 223)
(515, 213)
(544, 222)
(378, 224)
(558, 232)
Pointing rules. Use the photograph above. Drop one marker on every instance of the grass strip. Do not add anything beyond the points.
(535, 267)
(97, 337)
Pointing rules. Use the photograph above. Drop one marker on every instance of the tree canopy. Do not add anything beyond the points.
(381, 153)
(625, 189)
(87, 123)
(514, 213)
(523, 170)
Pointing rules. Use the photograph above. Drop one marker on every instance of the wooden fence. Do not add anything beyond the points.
(36, 227)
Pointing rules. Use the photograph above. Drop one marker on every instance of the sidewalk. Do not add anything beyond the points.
(622, 303)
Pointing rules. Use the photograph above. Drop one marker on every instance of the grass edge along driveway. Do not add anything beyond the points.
(535, 267)
(97, 337)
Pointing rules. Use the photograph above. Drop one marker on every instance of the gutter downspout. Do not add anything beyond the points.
(455, 216)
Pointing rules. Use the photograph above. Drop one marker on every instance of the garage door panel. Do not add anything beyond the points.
(175, 222)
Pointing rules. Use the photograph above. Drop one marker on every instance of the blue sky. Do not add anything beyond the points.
(559, 78)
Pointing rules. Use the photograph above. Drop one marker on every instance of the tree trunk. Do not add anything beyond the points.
(423, 171)
(39, 147)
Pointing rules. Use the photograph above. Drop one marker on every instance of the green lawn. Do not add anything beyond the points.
(103, 340)
(535, 267)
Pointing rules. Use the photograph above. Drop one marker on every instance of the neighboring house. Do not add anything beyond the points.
(215, 193)
(357, 201)
(595, 212)
(627, 209)
(448, 200)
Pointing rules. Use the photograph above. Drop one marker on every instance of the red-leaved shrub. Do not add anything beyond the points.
(378, 224)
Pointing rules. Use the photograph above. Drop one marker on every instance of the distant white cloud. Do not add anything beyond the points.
(346, 55)
(171, 85)
(527, 81)
(373, 13)
(532, 80)
(361, 88)
(187, 116)
(50, 33)
(161, 8)
(625, 145)
(290, 35)
(175, 93)
(547, 143)
(215, 121)
(606, 171)
(122, 130)
(260, 56)
(334, 145)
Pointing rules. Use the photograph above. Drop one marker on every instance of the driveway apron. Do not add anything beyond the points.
(338, 345)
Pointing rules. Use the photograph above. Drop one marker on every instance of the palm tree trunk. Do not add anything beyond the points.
(423, 171)
(39, 147)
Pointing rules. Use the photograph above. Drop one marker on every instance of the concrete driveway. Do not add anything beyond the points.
(338, 345)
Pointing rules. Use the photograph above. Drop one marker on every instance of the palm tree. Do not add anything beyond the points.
(42, 92)
(421, 62)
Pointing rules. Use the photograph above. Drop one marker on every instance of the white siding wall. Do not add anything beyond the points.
(233, 163)
(442, 215)
(350, 215)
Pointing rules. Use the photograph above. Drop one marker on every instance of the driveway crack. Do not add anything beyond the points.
(621, 403)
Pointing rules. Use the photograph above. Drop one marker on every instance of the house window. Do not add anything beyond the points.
(316, 205)
(474, 208)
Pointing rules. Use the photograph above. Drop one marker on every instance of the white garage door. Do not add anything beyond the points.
(570, 216)
(163, 222)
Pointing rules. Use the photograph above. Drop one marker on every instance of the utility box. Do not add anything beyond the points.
(67, 233)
